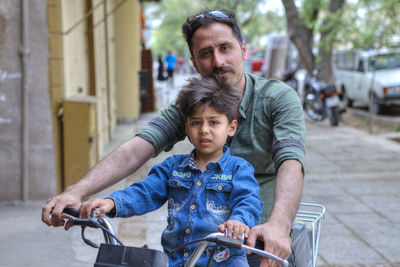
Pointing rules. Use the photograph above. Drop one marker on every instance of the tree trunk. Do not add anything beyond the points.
(325, 51)
(300, 35)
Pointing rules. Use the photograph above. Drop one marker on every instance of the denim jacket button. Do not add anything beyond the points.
(193, 206)
(185, 254)
(187, 230)
(219, 188)
(198, 183)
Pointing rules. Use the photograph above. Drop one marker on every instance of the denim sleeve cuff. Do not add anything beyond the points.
(239, 219)
(118, 210)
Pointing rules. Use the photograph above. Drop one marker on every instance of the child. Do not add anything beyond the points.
(207, 190)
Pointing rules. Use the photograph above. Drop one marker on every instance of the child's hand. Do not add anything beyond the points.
(102, 206)
(235, 229)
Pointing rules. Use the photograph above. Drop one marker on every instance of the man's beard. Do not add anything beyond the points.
(225, 69)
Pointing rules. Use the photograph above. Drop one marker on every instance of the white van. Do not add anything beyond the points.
(353, 71)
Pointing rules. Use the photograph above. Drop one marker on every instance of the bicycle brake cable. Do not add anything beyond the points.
(87, 241)
(185, 245)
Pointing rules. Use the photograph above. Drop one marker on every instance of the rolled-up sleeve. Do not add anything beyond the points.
(164, 131)
(288, 127)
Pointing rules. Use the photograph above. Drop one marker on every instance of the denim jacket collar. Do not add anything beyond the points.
(221, 163)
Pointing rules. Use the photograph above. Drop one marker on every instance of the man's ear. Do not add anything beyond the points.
(194, 63)
(232, 128)
(244, 51)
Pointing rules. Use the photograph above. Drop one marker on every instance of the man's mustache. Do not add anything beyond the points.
(223, 69)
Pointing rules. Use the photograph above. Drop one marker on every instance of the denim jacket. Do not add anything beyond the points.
(197, 201)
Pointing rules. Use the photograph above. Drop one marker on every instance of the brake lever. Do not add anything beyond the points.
(240, 244)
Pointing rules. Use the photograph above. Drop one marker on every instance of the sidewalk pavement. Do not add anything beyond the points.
(355, 175)
(26, 241)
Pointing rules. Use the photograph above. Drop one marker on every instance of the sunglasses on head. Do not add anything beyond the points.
(214, 13)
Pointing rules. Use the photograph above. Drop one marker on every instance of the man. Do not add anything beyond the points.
(270, 134)
(170, 59)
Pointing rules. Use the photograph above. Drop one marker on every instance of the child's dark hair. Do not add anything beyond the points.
(210, 91)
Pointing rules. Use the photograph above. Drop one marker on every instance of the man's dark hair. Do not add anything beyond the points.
(207, 17)
(211, 91)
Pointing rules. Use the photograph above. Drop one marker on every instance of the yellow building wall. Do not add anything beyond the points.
(94, 51)
(127, 27)
(56, 79)
(100, 73)
(112, 65)
(75, 42)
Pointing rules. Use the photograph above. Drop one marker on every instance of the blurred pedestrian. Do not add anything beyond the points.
(160, 76)
(170, 59)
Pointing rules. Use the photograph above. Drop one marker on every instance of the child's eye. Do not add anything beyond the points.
(213, 122)
(195, 123)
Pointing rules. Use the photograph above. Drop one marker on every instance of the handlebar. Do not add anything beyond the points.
(221, 239)
(94, 221)
(101, 221)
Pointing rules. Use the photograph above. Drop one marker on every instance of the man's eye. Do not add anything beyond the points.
(225, 47)
(205, 54)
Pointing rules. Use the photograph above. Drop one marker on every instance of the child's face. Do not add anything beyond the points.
(208, 131)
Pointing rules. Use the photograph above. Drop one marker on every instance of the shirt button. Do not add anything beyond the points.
(219, 188)
(185, 254)
(198, 183)
(193, 206)
(187, 230)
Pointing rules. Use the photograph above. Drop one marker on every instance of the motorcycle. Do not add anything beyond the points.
(321, 100)
(290, 79)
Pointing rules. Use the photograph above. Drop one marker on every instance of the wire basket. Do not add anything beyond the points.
(310, 215)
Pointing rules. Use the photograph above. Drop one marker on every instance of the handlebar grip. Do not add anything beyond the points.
(71, 211)
(229, 242)
(74, 213)
(259, 244)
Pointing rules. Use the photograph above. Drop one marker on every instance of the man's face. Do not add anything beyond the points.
(215, 49)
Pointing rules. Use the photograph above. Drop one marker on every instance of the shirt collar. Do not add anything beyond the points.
(248, 92)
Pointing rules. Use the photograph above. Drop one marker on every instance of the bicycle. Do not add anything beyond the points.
(114, 253)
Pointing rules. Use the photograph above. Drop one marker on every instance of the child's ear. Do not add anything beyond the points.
(187, 132)
(186, 128)
(232, 128)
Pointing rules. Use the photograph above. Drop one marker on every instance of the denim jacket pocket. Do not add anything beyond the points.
(218, 196)
(178, 192)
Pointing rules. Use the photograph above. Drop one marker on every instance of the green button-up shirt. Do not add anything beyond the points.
(270, 130)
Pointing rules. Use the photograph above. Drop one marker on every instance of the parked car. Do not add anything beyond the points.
(355, 76)
(255, 61)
